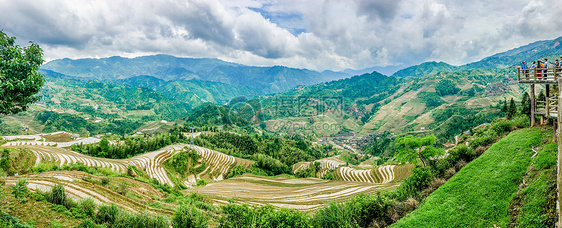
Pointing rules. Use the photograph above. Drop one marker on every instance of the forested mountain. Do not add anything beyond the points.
(425, 69)
(193, 90)
(169, 68)
(551, 49)
(538, 50)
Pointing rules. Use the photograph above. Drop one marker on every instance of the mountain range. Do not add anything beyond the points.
(551, 49)
(169, 68)
(214, 80)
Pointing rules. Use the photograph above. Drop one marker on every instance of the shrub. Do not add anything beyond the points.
(502, 127)
(88, 207)
(140, 220)
(359, 211)
(461, 164)
(105, 181)
(55, 224)
(123, 188)
(201, 182)
(7, 220)
(415, 183)
(238, 215)
(285, 217)
(482, 141)
(6, 162)
(86, 224)
(450, 172)
(20, 189)
(187, 215)
(461, 152)
(107, 214)
(57, 196)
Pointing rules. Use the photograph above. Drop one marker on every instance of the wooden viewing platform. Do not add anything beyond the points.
(539, 75)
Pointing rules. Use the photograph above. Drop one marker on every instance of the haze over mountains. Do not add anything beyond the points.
(218, 81)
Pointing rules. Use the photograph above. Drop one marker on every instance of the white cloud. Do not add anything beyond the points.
(314, 34)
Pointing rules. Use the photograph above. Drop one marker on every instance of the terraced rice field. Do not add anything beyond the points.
(302, 194)
(368, 174)
(218, 164)
(77, 188)
(88, 140)
(326, 164)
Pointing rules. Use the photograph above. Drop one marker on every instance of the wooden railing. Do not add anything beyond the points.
(539, 75)
(548, 108)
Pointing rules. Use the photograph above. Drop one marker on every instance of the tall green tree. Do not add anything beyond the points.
(526, 104)
(414, 148)
(511, 110)
(19, 76)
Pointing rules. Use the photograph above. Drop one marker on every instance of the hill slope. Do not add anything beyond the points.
(480, 193)
(425, 68)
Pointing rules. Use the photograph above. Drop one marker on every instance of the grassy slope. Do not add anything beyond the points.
(479, 195)
(35, 212)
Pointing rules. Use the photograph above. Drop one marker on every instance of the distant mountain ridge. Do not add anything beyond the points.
(551, 49)
(267, 79)
(193, 90)
(425, 68)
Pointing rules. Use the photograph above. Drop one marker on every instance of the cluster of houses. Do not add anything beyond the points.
(355, 112)
(497, 89)
(349, 141)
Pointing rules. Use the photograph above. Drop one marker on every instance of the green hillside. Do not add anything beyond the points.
(194, 91)
(444, 104)
(425, 69)
(480, 193)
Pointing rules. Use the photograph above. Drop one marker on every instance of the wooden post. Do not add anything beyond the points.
(533, 103)
(559, 156)
(518, 74)
(554, 130)
(547, 107)
(547, 90)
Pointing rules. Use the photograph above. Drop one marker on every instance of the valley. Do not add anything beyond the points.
(113, 140)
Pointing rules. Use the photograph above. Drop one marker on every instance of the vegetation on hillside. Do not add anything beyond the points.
(272, 154)
(130, 146)
(483, 189)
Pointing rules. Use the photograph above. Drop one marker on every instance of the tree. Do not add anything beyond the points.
(526, 104)
(19, 76)
(446, 87)
(504, 108)
(512, 110)
(413, 148)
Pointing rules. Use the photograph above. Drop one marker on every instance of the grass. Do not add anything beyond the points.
(539, 196)
(480, 193)
(39, 212)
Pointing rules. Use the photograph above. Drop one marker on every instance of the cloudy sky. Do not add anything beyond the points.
(313, 34)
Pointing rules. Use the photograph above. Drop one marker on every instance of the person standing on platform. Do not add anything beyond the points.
(540, 65)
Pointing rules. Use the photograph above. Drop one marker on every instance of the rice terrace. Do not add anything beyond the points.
(324, 114)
